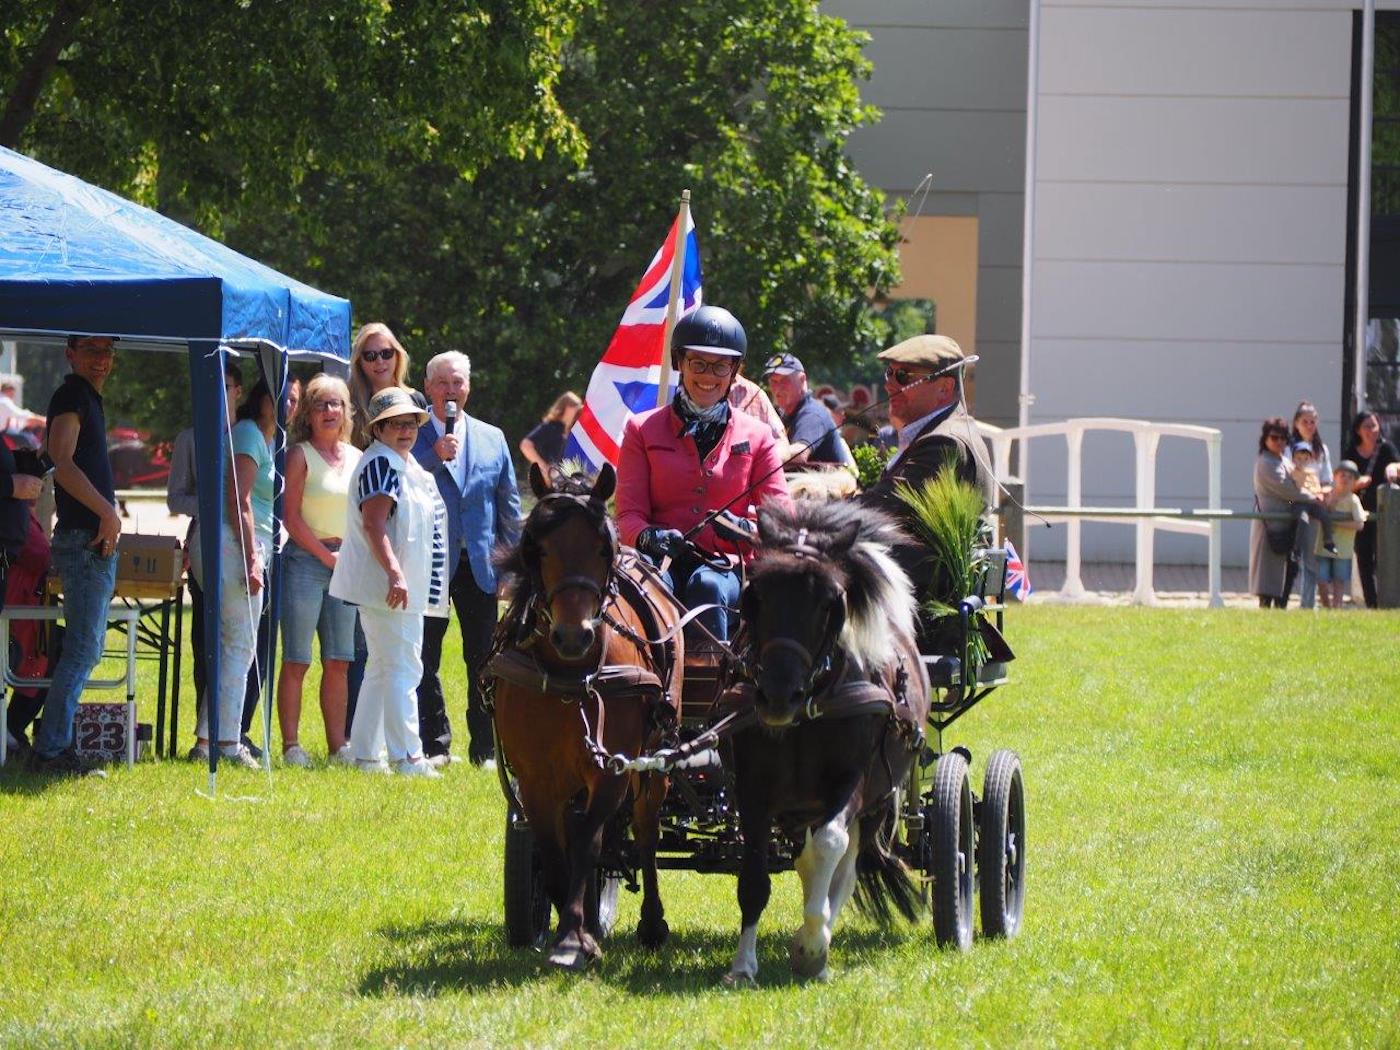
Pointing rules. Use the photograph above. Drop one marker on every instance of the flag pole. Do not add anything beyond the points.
(673, 304)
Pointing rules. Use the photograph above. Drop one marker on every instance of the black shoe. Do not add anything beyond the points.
(19, 750)
(64, 764)
(253, 748)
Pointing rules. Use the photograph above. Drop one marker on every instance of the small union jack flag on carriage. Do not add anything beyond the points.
(626, 379)
(1018, 580)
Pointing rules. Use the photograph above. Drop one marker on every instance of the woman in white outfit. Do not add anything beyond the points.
(393, 565)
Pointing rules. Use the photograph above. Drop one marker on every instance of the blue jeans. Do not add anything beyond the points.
(88, 582)
(307, 609)
(703, 585)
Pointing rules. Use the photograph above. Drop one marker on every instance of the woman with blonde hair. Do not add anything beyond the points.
(319, 465)
(544, 446)
(377, 362)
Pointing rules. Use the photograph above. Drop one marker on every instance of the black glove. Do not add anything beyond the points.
(659, 543)
(729, 526)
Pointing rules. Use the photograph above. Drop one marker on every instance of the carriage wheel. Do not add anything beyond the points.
(602, 901)
(527, 903)
(953, 843)
(1001, 861)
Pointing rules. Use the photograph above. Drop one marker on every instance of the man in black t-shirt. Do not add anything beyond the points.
(84, 543)
(812, 436)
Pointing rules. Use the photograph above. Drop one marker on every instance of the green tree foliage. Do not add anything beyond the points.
(491, 177)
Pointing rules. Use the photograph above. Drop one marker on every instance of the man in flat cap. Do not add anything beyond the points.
(923, 378)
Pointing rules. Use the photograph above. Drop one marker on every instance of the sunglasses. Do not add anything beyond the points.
(401, 423)
(903, 376)
(379, 355)
(1276, 437)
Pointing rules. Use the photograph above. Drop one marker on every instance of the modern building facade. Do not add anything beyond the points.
(1193, 178)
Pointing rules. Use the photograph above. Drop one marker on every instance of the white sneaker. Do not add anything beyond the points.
(439, 761)
(416, 767)
(239, 755)
(296, 756)
(372, 765)
(345, 756)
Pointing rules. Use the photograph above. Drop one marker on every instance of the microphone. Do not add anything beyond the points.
(450, 411)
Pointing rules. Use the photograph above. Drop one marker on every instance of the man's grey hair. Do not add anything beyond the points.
(453, 359)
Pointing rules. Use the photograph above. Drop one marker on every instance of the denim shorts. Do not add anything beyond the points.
(308, 609)
(1333, 570)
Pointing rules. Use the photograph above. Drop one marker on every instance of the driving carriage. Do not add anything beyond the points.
(709, 744)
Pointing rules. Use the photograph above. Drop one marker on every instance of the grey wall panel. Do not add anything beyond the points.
(998, 382)
(999, 304)
(1000, 220)
(967, 152)
(1257, 6)
(974, 14)
(1295, 224)
(1195, 52)
(965, 69)
(1160, 140)
(1201, 301)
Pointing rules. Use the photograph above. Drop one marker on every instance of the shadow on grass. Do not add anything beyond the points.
(15, 780)
(433, 958)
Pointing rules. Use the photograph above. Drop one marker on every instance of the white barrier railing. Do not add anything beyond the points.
(1146, 438)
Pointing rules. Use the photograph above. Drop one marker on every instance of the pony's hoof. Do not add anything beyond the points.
(808, 964)
(653, 934)
(574, 954)
(737, 980)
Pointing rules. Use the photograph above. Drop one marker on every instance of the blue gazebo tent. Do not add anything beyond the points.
(78, 260)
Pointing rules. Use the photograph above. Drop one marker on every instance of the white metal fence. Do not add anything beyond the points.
(1144, 515)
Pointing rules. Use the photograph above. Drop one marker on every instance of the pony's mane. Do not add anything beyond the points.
(546, 516)
(880, 603)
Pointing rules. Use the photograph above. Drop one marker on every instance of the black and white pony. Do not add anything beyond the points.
(841, 698)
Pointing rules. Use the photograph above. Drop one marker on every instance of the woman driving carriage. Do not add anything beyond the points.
(685, 460)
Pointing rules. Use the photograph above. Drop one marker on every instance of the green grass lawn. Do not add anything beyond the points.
(1213, 857)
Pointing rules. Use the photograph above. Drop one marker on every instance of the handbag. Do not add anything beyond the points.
(1281, 538)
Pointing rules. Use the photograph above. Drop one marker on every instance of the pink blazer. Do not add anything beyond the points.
(661, 481)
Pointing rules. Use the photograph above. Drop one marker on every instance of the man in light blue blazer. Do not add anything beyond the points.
(471, 464)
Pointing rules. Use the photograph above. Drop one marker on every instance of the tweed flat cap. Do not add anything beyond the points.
(926, 351)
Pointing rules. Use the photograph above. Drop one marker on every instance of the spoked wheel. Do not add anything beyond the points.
(952, 854)
(1002, 847)
(527, 903)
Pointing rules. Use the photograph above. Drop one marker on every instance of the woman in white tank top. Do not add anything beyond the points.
(319, 468)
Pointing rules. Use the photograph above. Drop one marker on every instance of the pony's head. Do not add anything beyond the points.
(823, 583)
(565, 558)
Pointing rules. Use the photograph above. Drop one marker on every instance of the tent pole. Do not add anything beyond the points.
(210, 413)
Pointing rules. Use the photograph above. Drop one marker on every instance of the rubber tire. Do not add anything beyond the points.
(527, 907)
(1001, 861)
(954, 841)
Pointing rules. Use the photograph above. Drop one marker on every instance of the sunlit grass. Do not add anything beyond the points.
(1213, 856)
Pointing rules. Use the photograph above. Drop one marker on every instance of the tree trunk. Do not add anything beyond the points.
(58, 34)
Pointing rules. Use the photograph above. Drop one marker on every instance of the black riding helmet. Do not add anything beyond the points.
(712, 329)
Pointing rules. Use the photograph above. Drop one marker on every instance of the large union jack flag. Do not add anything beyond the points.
(626, 379)
(1018, 580)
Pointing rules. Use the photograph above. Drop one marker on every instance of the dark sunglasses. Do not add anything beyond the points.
(903, 376)
(1275, 437)
(379, 355)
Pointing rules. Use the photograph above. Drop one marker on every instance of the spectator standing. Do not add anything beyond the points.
(18, 491)
(1334, 569)
(748, 397)
(393, 566)
(1275, 491)
(319, 465)
(1304, 429)
(811, 434)
(182, 497)
(470, 461)
(1378, 462)
(12, 417)
(544, 446)
(245, 552)
(84, 542)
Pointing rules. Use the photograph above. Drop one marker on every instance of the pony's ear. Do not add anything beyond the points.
(605, 484)
(844, 538)
(539, 484)
(770, 529)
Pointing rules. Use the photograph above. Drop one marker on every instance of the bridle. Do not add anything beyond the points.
(540, 609)
(819, 663)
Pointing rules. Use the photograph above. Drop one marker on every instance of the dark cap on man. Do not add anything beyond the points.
(924, 351)
(782, 365)
(1348, 466)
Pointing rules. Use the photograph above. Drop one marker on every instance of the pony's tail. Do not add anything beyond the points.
(883, 883)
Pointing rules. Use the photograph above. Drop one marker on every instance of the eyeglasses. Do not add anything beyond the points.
(379, 355)
(329, 406)
(903, 376)
(401, 423)
(699, 366)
